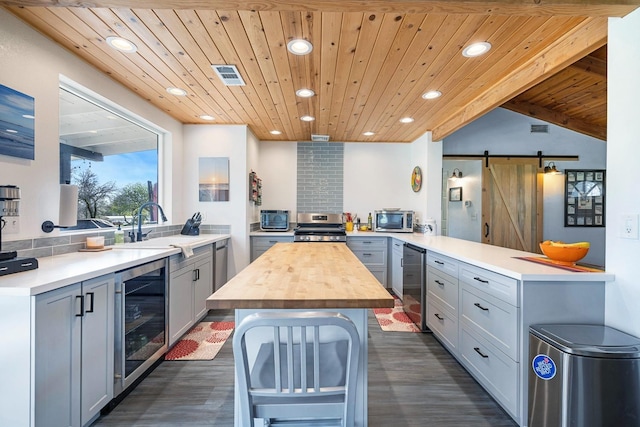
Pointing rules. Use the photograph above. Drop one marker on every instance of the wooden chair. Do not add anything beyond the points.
(324, 371)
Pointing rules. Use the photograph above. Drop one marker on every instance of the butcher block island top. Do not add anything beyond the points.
(303, 276)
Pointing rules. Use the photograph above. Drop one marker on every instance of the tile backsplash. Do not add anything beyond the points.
(65, 243)
(320, 177)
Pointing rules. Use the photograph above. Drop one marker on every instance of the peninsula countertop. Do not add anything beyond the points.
(303, 276)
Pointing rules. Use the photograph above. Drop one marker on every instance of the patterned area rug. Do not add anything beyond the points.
(394, 319)
(202, 342)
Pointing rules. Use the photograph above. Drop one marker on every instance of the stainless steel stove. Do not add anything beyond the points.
(319, 227)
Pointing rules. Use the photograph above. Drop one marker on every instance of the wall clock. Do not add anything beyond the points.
(416, 179)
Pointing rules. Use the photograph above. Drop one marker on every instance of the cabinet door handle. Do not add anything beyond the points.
(480, 280)
(481, 307)
(438, 316)
(196, 274)
(438, 262)
(439, 282)
(477, 350)
(90, 309)
(81, 298)
(401, 262)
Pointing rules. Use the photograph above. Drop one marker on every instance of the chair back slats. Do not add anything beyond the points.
(296, 366)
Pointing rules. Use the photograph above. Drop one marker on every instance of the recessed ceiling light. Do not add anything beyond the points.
(299, 47)
(28, 116)
(432, 94)
(123, 45)
(476, 49)
(207, 117)
(176, 91)
(368, 133)
(275, 132)
(406, 120)
(305, 93)
(307, 118)
(11, 130)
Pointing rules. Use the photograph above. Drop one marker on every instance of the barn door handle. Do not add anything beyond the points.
(486, 229)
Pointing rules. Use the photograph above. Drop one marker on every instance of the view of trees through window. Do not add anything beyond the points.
(112, 160)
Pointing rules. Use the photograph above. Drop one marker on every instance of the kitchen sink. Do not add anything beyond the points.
(164, 242)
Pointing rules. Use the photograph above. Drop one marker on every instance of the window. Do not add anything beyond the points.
(111, 156)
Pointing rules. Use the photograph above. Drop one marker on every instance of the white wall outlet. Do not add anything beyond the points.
(629, 226)
(11, 224)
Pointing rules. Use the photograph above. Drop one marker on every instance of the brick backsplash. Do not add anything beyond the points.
(65, 243)
(320, 177)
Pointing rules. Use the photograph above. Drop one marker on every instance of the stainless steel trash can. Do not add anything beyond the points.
(583, 375)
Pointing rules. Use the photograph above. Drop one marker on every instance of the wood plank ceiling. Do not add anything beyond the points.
(368, 68)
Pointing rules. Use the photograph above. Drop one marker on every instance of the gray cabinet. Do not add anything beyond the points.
(261, 244)
(74, 353)
(442, 299)
(372, 252)
(190, 284)
(396, 267)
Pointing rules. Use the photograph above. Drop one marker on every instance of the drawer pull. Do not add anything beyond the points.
(439, 282)
(438, 316)
(481, 307)
(477, 350)
(480, 280)
(366, 242)
(273, 241)
(366, 254)
(438, 262)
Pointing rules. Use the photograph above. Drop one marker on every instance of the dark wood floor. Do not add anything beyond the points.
(413, 381)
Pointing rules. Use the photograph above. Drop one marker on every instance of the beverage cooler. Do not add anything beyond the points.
(583, 376)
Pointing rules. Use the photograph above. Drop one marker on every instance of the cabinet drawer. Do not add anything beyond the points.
(443, 263)
(494, 371)
(443, 324)
(502, 287)
(444, 288)
(267, 242)
(491, 318)
(397, 246)
(177, 262)
(355, 243)
(380, 274)
(374, 257)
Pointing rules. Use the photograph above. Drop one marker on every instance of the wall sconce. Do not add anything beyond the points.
(456, 174)
(68, 215)
(551, 169)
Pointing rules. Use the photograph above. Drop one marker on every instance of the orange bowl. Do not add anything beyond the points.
(563, 255)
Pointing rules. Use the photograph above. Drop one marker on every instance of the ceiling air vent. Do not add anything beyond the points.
(319, 138)
(539, 128)
(228, 74)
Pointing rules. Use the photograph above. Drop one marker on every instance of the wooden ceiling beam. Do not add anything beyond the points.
(557, 118)
(586, 38)
(601, 8)
(592, 66)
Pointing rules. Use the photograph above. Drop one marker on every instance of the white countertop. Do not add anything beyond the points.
(62, 270)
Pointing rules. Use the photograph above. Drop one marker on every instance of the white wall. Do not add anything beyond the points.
(32, 64)
(230, 141)
(505, 132)
(464, 222)
(623, 150)
(278, 168)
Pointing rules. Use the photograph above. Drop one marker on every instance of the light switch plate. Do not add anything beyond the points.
(629, 226)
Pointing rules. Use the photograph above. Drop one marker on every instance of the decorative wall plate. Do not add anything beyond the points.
(416, 179)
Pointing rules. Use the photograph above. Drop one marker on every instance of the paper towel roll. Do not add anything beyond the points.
(68, 205)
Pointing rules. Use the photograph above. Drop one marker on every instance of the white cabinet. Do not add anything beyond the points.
(372, 252)
(396, 267)
(261, 244)
(190, 284)
(74, 352)
(442, 299)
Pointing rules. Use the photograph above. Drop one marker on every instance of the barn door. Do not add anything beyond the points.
(512, 204)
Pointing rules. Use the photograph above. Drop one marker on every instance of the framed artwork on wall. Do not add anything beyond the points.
(213, 179)
(17, 124)
(455, 194)
(584, 198)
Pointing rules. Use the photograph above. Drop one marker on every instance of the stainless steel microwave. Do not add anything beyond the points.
(274, 220)
(394, 221)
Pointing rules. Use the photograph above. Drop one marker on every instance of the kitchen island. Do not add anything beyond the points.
(308, 277)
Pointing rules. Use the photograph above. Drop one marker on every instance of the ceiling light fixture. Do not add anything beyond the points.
(299, 47)
(207, 117)
(432, 94)
(176, 91)
(476, 49)
(305, 93)
(307, 118)
(406, 120)
(123, 45)
(275, 132)
(368, 133)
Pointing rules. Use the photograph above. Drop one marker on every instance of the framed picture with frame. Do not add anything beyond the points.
(584, 198)
(455, 194)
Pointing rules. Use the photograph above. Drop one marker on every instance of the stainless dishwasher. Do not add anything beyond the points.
(414, 283)
(221, 256)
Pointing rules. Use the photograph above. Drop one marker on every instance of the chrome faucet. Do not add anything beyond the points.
(139, 235)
